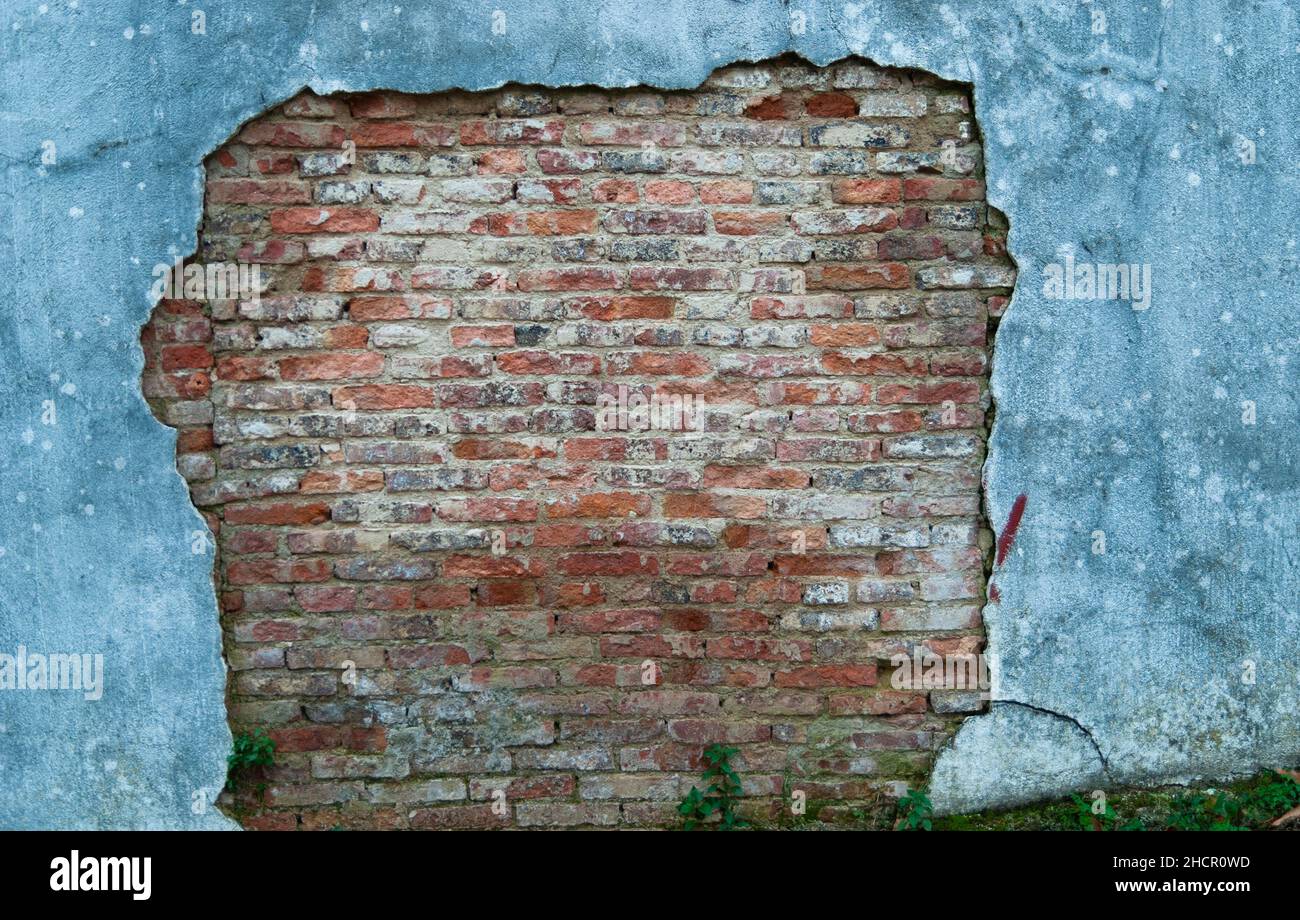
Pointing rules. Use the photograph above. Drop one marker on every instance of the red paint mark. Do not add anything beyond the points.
(1008, 535)
(994, 594)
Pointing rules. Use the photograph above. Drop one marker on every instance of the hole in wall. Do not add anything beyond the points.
(571, 431)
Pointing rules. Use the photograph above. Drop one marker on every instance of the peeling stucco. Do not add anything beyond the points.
(1127, 144)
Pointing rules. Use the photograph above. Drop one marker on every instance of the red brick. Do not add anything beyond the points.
(867, 191)
(293, 134)
(382, 105)
(402, 455)
(831, 105)
(384, 396)
(337, 366)
(324, 220)
(857, 675)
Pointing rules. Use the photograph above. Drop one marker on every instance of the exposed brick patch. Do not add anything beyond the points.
(398, 444)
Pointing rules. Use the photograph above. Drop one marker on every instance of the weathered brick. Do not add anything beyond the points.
(463, 593)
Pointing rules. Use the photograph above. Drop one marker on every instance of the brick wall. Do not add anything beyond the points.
(398, 443)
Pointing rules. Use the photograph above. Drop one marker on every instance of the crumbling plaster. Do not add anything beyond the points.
(1120, 145)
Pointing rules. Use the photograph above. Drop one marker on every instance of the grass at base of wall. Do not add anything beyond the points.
(1251, 804)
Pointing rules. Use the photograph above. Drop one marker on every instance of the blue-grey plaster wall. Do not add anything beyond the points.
(1119, 146)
